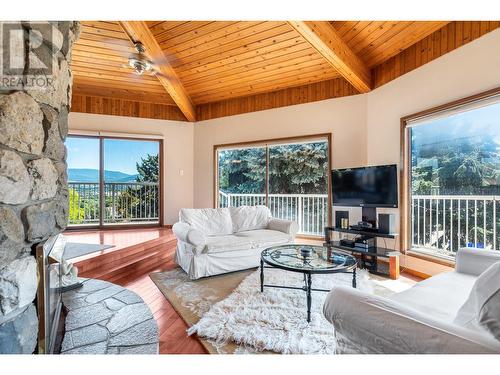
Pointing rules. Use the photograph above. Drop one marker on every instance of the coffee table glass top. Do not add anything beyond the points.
(319, 260)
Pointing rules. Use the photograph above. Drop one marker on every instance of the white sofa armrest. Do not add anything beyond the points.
(475, 261)
(285, 226)
(366, 323)
(192, 236)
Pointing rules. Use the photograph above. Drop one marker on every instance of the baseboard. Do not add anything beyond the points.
(421, 268)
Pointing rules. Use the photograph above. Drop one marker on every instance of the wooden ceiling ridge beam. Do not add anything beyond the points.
(327, 41)
(138, 31)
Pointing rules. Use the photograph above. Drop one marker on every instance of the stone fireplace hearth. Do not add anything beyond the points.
(104, 318)
(33, 179)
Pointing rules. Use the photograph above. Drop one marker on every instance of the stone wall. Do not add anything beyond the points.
(33, 179)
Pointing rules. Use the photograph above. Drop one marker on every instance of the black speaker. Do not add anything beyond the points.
(387, 223)
(339, 215)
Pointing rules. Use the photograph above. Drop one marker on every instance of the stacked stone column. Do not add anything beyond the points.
(33, 183)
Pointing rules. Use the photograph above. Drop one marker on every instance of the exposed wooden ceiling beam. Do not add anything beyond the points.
(325, 39)
(138, 31)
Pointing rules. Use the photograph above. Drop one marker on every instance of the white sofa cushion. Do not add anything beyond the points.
(285, 226)
(230, 242)
(439, 296)
(245, 240)
(209, 221)
(249, 218)
(482, 308)
(266, 237)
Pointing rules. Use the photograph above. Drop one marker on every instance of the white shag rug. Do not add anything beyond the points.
(276, 319)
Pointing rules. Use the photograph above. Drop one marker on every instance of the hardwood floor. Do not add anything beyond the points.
(134, 275)
(171, 327)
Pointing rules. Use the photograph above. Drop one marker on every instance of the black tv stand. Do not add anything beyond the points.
(378, 260)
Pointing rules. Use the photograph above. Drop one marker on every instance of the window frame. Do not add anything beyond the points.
(270, 142)
(101, 224)
(405, 168)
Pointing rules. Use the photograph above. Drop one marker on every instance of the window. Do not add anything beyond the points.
(290, 176)
(453, 178)
(242, 176)
(113, 181)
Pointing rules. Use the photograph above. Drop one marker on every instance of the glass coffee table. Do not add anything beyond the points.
(308, 260)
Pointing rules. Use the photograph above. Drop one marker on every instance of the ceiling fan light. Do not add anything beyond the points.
(139, 65)
(139, 70)
(139, 62)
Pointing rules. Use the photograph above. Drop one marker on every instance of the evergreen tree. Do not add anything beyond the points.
(293, 169)
(466, 166)
(145, 198)
(148, 169)
(298, 169)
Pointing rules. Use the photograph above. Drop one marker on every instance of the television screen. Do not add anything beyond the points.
(367, 186)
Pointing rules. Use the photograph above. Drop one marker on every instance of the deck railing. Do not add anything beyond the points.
(310, 211)
(443, 223)
(440, 223)
(124, 202)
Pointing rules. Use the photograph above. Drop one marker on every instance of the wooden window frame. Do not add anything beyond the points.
(405, 217)
(268, 142)
(102, 225)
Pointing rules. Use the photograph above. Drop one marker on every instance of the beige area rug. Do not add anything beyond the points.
(207, 305)
(193, 298)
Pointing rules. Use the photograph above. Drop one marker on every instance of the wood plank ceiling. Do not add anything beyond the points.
(219, 61)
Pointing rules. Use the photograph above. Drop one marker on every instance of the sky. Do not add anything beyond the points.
(119, 155)
(479, 121)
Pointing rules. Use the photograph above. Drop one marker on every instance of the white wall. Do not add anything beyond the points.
(177, 150)
(343, 117)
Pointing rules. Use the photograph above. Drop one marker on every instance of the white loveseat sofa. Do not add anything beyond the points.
(445, 314)
(215, 241)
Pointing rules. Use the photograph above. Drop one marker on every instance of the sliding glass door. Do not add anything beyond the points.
(113, 181)
(290, 176)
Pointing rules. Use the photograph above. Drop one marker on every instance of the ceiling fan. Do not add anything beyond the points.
(139, 62)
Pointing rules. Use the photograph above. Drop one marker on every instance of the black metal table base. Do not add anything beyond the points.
(306, 288)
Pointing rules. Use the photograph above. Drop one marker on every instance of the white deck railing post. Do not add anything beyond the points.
(446, 234)
(299, 212)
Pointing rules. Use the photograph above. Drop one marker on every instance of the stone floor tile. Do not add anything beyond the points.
(141, 349)
(142, 333)
(85, 316)
(102, 294)
(128, 297)
(98, 348)
(114, 304)
(127, 317)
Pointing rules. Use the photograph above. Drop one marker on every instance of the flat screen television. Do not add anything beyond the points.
(375, 186)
